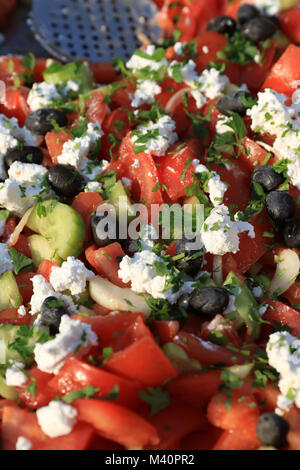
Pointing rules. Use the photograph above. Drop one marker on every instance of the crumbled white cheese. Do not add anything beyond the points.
(25, 183)
(6, 262)
(269, 7)
(161, 135)
(145, 93)
(222, 124)
(42, 95)
(220, 235)
(136, 62)
(71, 86)
(74, 336)
(41, 290)
(93, 187)
(205, 50)
(216, 188)
(22, 311)
(283, 350)
(140, 270)
(57, 418)
(179, 48)
(213, 83)
(72, 275)
(15, 377)
(23, 443)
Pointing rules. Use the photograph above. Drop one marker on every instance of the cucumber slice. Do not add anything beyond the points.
(110, 296)
(245, 303)
(61, 225)
(17, 342)
(10, 393)
(41, 249)
(180, 358)
(10, 296)
(122, 205)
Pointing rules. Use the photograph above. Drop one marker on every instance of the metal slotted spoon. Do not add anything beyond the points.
(98, 30)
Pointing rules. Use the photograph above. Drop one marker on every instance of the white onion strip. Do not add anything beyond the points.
(217, 270)
(13, 239)
(286, 272)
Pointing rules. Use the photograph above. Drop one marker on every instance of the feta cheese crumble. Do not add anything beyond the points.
(283, 350)
(72, 275)
(215, 187)
(146, 59)
(140, 270)
(73, 336)
(15, 377)
(6, 262)
(57, 418)
(161, 135)
(75, 152)
(220, 235)
(93, 187)
(22, 311)
(145, 93)
(23, 443)
(42, 95)
(41, 290)
(268, 7)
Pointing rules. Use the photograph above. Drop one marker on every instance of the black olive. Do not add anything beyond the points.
(259, 29)
(233, 102)
(25, 155)
(275, 20)
(222, 25)
(209, 301)
(246, 13)
(41, 121)
(290, 234)
(100, 231)
(280, 205)
(52, 310)
(272, 430)
(192, 261)
(267, 177)
(65, 180)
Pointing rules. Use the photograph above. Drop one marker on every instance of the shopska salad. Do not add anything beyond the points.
(108, 343)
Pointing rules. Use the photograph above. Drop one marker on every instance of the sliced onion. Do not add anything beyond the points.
(110, 296)
(286, 272)
(13, 239)
(217, 270)
(175, 100)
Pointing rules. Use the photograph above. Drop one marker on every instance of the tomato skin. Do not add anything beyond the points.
(174, 423)
(254, 74)
(45, 268)
(10, 68)
(165, 330)
(55, 141)
(289, 23)
(104, 261)
(285, 73)
(23, 246)
(201, 440)
(282, 313)
(18, 422)
(215, 42)
(15, 104)
(11, 316)
(196, 390)
(85, 203)
(253, 155)
(176, 169)
(76, 374)
(242, 417)
(25, 285)
(205, 351)
(95, 109)
(233, 440)
(142, 360)
(103, 72)
(117, 423)
(44, 393)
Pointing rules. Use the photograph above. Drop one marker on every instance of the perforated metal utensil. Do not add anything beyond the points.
(97, 30)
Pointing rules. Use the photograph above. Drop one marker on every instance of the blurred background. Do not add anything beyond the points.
(17, 36)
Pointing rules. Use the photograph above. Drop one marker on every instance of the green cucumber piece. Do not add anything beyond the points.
(41, 249)
(10, 296)
(180, 358)
(10, 393)
(114, 194)
(17, 342)
(77, 71)
(61, 225)
(246, 305)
